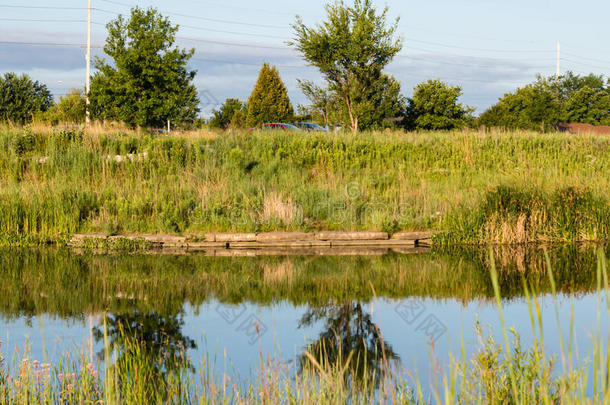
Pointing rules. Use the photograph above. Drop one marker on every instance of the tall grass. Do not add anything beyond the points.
(497, 373)
(507, 188)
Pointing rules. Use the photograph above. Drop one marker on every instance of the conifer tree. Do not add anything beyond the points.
(269, 100)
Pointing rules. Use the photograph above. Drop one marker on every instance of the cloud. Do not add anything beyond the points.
(225, 71)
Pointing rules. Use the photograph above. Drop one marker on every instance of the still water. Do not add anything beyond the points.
(419, 307)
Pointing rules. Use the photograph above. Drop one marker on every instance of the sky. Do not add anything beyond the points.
(487, 47)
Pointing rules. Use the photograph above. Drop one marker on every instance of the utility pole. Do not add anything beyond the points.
(558, 72)
(88, 80)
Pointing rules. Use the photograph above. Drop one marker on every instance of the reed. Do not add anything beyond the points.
(474, 187)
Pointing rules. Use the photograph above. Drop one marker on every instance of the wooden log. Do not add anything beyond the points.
(230, 237)
(412, 235)
(380, 243)
(336, 235)
(284, 237)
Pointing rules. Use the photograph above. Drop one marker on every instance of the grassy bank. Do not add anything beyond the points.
(508, 187)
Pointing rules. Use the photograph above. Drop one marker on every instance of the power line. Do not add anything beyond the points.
(43, 7)
(591, 59)
(240, 44)
(477, 49)
(585, 64)
(203, 18)
(42, 20)
(39, 43)
(279, 65)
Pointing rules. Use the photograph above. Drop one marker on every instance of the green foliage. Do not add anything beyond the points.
(21, 98)
(70, 109)
(350, 49)
(434, 106)
(548, 101)
(231, 115)
(269, 100)
(148, 82)
(524, 215)
(321, 100)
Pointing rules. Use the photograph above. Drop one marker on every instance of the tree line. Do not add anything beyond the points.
(146, 82)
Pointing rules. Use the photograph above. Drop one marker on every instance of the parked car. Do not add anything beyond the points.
(310, 127)
(276, 126)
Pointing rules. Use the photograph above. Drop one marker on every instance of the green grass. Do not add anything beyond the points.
(504, 188)
(497, 373)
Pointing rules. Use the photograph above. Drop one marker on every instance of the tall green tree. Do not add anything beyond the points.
(21, 98)
(148, 82)
(435, 106)
(350, 49)
(269, 100)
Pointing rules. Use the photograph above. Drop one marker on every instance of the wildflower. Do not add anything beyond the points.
(73, 375)
(90, 367)
(36, 364)
(94, 373)
(60, 376)
(70, 387)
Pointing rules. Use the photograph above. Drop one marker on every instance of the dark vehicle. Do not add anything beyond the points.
(276, 126)
(310, 127)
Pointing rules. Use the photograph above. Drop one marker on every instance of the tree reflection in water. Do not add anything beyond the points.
(350, 340)
(157, 343)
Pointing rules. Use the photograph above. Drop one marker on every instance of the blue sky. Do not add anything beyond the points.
(488, 47)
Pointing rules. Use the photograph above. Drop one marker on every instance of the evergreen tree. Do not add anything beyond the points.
(269, 100)
(149, 82)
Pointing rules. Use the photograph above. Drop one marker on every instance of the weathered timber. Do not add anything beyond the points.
(336, 235)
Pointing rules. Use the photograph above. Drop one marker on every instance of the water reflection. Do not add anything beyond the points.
(349, 340)
(144, 296)
(155, 340)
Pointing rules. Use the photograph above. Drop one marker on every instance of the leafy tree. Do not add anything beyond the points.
(548, 101)
(588, 105)
(149, 82)
(321, 100)
(21, 98)
(71, 109)
(269, 100)
(350, 49)
(434, 106)
(223, 118)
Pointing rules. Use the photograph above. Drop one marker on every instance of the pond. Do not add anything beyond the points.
(416, 308)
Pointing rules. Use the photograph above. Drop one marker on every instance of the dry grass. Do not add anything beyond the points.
(278, 208)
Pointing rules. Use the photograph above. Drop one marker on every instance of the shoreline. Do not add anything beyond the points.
(268, 243)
